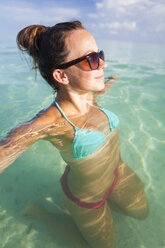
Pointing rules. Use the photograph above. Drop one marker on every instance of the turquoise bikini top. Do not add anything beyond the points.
(86, 141)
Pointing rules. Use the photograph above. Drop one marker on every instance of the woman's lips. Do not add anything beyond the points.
(100, 77)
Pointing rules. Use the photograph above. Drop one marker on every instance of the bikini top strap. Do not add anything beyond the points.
(90, 103)
(110, 121)
(64, 114)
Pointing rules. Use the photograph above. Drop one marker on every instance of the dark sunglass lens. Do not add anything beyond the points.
(101, 55)
(94, 61)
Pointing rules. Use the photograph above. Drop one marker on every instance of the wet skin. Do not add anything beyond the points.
(90, 177)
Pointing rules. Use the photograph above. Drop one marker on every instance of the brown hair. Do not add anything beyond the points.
(47, 46)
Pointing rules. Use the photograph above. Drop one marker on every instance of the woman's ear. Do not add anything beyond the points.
(60, 76)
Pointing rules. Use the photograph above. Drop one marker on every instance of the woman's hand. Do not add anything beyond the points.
(109, 82)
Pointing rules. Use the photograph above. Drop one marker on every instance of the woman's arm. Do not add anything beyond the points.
(18, 140)
(111, 80)
(92, 96)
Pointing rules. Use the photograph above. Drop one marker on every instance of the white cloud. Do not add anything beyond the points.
(160, 28)
(24, 11)
(130, 25)
(116, 4)
(128, 2)
(125, 18)
(99, 5)
(142, 16)
(132, 7)
(93, 15)
(157, 10)
(113, 32)
(116, 26)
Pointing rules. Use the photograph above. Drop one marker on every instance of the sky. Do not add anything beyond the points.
(123, 20)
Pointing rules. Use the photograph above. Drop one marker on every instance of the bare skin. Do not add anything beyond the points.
(90, 177)
(61, 224)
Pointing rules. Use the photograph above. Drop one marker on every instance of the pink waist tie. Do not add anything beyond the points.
(90, 205)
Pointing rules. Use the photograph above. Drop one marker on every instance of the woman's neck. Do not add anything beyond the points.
(75, 101)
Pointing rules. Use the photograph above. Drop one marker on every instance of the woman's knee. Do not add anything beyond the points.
(105, 238)
(139, 208)
(129, 196)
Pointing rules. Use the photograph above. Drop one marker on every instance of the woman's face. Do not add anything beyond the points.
(80, 43)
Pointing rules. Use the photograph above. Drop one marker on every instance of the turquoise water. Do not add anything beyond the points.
(138, 99)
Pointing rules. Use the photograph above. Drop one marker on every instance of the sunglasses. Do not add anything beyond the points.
(92, 59)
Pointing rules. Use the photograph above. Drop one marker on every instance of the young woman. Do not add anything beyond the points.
(96, 179)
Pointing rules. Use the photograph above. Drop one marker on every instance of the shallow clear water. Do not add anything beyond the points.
(138, 99)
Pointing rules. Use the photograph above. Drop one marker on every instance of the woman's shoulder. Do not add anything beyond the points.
(47, 116)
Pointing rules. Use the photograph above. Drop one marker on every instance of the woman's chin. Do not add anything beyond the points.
(100, 87)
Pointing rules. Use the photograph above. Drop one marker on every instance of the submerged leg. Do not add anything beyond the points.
(61, 224)
(96, 225)
(128, 195)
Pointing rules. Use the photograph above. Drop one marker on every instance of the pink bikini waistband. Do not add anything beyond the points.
(90, 205)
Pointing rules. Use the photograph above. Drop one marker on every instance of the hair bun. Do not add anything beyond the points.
(29, 38)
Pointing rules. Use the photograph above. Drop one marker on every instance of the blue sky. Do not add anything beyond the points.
(126, 20)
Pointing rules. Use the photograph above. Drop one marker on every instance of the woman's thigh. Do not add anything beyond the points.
(96, 225)
(128, 195)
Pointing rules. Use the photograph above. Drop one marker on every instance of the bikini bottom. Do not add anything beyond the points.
(90, 205)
